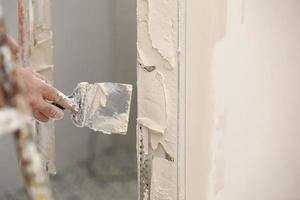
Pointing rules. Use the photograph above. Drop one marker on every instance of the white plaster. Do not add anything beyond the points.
(162, 179)
(163, 29)
(153, 114)
(102, 107)
(157, 93)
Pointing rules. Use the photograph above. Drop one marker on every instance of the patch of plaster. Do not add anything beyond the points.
(162, 180)
(160, 151)
(147, 167)
(162, 15)
(146, 54)
(153, 114)
(102, 106)
(157, 98)
(156, 43)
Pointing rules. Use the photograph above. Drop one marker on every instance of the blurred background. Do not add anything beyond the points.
(94, 41)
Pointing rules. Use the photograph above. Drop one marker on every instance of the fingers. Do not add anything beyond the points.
(40, 106)
(13, 44)
(44, 111)
(50, 111)
(37, 94)
(40, 117)
(52, 94)
(41, 77)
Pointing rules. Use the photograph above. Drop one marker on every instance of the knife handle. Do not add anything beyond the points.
(58, 106)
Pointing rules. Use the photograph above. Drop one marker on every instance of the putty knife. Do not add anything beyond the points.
(102, 106)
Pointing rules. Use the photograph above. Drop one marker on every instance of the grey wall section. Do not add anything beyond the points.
(10, 175)
(93, 42)
(82, 42)
(124, 35)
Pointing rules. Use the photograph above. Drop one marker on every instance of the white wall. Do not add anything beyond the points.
(246, 56)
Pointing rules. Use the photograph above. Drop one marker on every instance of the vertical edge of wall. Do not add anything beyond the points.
(200, 41)
(35, 38)
(158, 95)
(181, 163)
(44, 45)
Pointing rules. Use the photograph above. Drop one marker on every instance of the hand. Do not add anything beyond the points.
(40, 95)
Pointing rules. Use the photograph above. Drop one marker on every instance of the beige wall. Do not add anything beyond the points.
(243, 99)
(199, 106)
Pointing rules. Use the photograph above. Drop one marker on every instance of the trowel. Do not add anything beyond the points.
(101, 107)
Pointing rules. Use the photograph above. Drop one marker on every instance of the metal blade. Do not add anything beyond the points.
(102, 106)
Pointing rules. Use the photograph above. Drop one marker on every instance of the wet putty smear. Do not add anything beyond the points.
(102, 107)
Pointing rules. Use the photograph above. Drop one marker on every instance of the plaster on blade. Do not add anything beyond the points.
(102, 107)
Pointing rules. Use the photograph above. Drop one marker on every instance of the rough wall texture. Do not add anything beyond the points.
(157, 98)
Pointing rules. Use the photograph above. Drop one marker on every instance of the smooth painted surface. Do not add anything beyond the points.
(199, 103)
(243, 94)
(257, 70)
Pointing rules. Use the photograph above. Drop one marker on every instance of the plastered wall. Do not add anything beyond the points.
(243, 120)
(157, 69)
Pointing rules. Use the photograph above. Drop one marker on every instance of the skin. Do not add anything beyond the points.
(39, 93)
